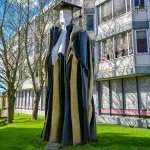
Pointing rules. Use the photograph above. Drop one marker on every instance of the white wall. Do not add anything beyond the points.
(114, 23)
(143, 60)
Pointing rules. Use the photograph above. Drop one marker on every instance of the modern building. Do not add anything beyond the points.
(25, 93)
(122, 61)
(120, 30)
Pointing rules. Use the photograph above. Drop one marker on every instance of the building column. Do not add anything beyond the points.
(110, 97)
(123, 97)
(98, 96)
(138, 97)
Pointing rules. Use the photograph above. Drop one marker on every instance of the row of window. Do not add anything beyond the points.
(25, 100)
(114, 8)
(117, 46)
(35, 47)
(24, 74)
(116, 89)
(122, 45)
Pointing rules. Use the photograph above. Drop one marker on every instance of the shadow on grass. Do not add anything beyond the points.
(27, 120)
(3, 122)
(21, 139)
(21, 121)
(122, 141)
(29, 138)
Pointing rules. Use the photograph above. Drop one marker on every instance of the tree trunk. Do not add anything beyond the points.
(35, 107)
(10, 113)
(11, 100)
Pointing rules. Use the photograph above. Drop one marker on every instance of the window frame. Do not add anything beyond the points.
(100, 11)
(102, 50)
(126, 10)
(127, 39)
(128, 52)
(37, 45)
(135, 35)
(93, 22)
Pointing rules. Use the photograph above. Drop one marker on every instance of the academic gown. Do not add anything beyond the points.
(69, 105)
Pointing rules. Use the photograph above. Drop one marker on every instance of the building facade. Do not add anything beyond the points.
(25, 94)
(120, 32)
(3, 101)
(122, 60)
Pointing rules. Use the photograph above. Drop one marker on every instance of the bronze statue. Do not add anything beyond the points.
(69, 111)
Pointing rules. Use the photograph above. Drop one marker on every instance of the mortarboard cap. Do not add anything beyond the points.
(65, 5)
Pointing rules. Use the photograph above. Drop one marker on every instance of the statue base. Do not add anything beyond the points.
(53, 146)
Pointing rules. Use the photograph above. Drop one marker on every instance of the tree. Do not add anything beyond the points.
(11, 57)
(44, 19)
(37, 33)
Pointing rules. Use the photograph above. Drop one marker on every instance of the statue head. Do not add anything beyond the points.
(66, 12)
(65, 17)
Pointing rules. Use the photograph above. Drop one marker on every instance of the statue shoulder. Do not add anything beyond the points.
(54, 27)
(75, 31)
(77, 28)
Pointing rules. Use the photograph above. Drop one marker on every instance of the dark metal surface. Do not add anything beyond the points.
(63, 4)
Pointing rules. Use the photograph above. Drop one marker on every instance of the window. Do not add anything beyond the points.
(116, 92)
(90, 22)
(104, 86)
(130, 43)
(107, 52)
(99, 14)
(139, 4)
(37, 47)
(130, 93)
(25, 73)
(20, 75)
(36, 74)
(119, 7)
(117, 46)
(31, 48)
(30, 29)
(100, 50)
(141, 40)
(144, 92)
(128, 5)
(112, 9)
(106, 11)
(121, 45)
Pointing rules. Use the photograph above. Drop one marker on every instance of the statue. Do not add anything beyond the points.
(69, 112)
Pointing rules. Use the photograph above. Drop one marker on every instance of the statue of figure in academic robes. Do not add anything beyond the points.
(69, 106)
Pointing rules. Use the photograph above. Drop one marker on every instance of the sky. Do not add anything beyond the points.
(34, 4)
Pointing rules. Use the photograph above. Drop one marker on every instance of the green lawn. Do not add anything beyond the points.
(24, 134)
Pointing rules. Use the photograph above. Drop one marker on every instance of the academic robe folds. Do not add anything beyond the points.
(69, 105)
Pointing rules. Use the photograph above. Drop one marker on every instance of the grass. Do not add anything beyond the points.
(24, 134)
